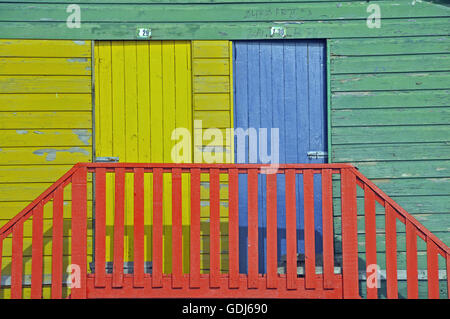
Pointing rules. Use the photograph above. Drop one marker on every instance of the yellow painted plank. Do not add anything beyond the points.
(211, 84)
(31, 173)
(216, 119)
(26, 191)
(209, 49)
(11, 209)
(45, 84)
(45, 66)
(47, 249)
(212, 101)
(44, 137)
(44, 155)
(45, 102)
(45, 120)
(211, 67)
(45, 48)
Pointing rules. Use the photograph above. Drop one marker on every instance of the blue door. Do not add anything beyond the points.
(280, 84)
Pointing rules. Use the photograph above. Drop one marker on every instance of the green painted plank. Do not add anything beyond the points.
(395, 81)
(390, 152)
(397, 99)
(400, 116)
(392, 134)
(412, 204)
(389, 46)
(239, 12)
(390, 63)
(404, 169)
(225, 30)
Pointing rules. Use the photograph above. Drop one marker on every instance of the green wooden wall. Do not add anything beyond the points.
(389, 105)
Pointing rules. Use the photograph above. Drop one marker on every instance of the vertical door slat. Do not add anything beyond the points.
(371, 242)
(37, 246)
(17, 261)
(272, 273)
(391, 253)
(195, 229)
(119, 210)
(177, 259)
(252, 228)
(310, 256)
(57, 243)
(349, 234)
(100, 227)
(214, 240)
(79, 237)
(157, 227)
(432, 270)
(411, 261)
(233, 233)
(138, 227)
(327, 229)
(291, 238)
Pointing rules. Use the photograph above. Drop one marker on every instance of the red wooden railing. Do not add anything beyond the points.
(98, 283)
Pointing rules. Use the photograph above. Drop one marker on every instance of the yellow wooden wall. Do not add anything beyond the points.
(212, 71)
(143, 92)
(45, 128)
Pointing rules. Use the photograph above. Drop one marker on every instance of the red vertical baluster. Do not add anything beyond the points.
(157, 227)
(391, 253)
(349, 235)
(272, 273)
(447, 265)
(291, 238)
(119, 208)
(214, 237)
(195, 229)
(1, 260)
(233, 233)
(57, 243)
(177, 260)
(79, 225)
(310, 250)
(17, 261)
(36, 246)
(371, 243)
(432, 270)
(252, 228)
(138, 227)
(100, 227)
(327, 229)
(411, 261)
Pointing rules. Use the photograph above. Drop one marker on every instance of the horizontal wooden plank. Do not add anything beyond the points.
(45, 66)
(45, 102)
(389, 63)
(216, 119)
(45, 84)
(391, 116)
(211, 101)
(211, 84)
(405, 169)
(45, 48)
(391, 134)
(44, 137)
(218, 12)
(45, 120)
(11, 209)
(210, 67)
(32, 173)
(28, 191)
(226, 30)
(45, 155)
(390, 152)
(210, 49)
(382, 99)
(388, 46)
(394, 81)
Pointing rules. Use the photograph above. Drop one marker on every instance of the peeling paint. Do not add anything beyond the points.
(79, 42)
(73, 60)
(38, 132)
(83, 135)
(21, 131)
(51, 153)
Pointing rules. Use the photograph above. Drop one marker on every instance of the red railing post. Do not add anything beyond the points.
(432, 270)
(100, 227)
(327, 229)
(194, 276)
(214, 230)
(119, 211)
(177, 260)
(79, 239)
(36, 258)
(233, 234)
(411, 261)
(349, 235)
(291, 236)
(138, 228)
(310, 250)
(157, 227)
(57, 243)
(17, 261)
(371, 242)
(391, 253)
(271, 215)
(252, 228)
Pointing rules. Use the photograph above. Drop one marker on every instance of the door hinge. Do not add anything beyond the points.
(317, 154)
(106, 159)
